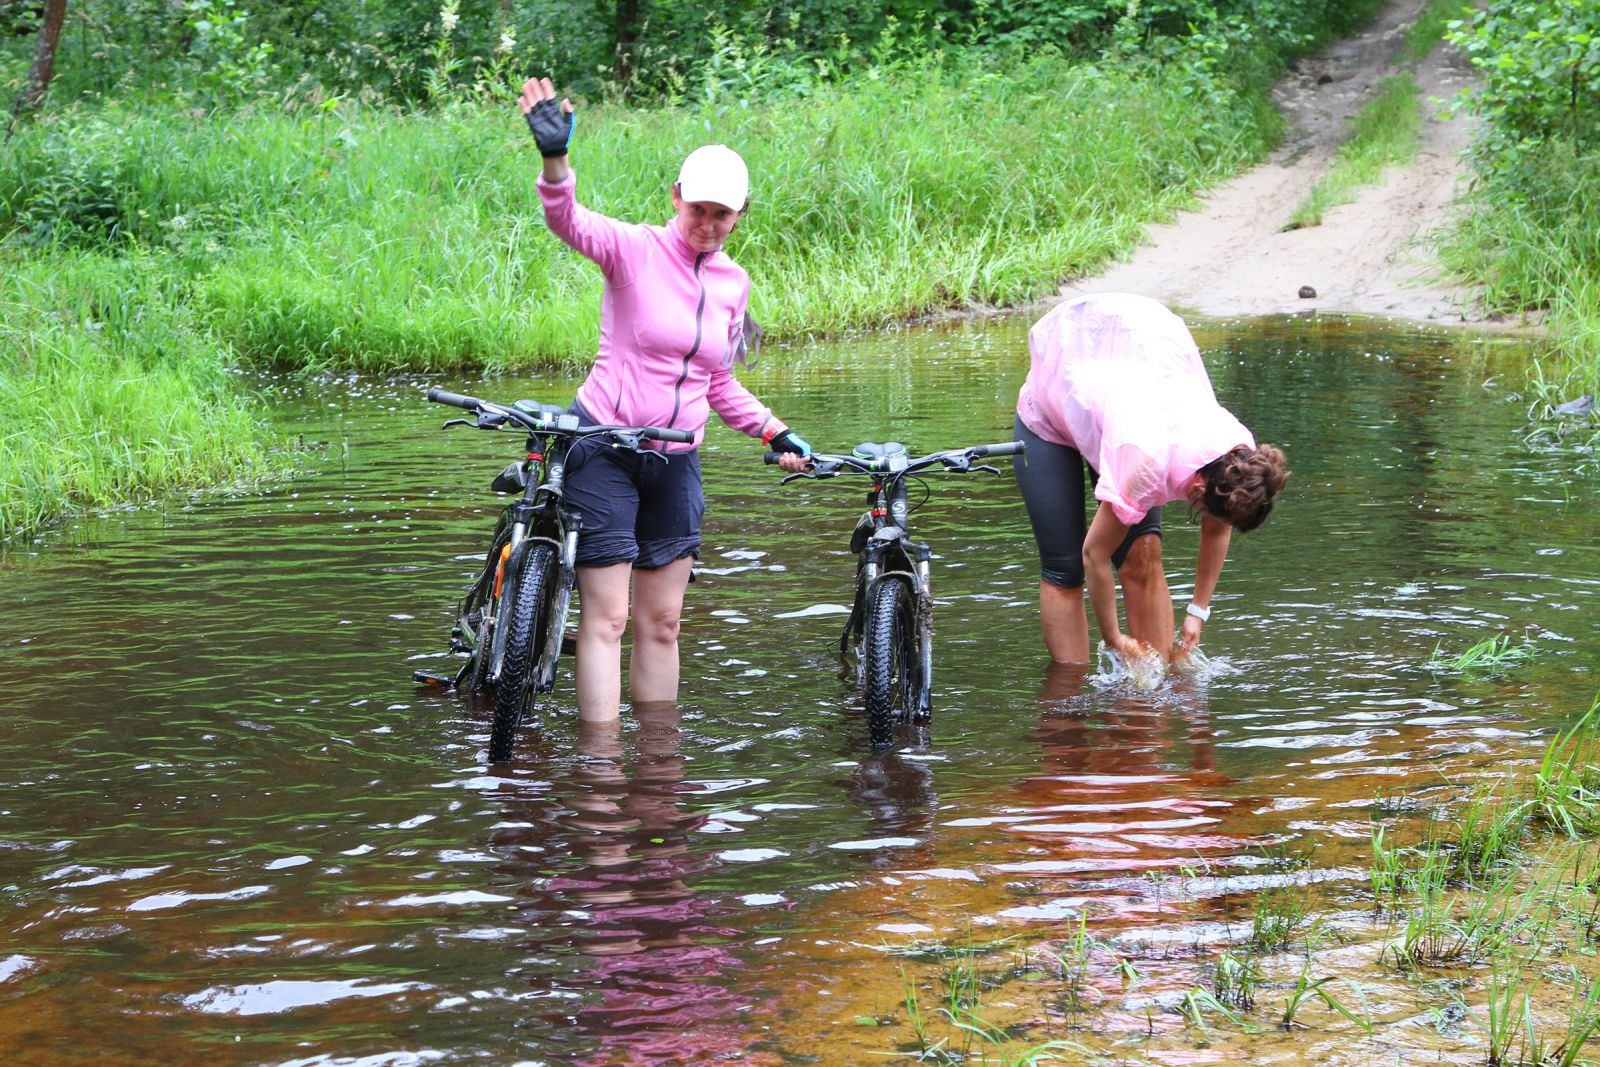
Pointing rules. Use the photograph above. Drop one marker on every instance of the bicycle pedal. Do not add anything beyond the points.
(429, 678)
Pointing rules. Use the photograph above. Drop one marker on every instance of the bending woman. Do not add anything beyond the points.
(673, 322)
(1116, 384)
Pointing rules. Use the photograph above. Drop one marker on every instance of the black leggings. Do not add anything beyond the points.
(1054, 489)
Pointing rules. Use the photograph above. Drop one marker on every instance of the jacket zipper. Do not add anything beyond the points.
(699, 312)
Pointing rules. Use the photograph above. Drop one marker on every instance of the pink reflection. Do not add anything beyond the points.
(642, 965)
(1127, 789)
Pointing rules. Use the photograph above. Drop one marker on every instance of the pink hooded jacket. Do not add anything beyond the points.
(1119, 378)
(671, 321)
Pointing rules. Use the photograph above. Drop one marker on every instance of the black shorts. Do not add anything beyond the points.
(1054, 490)
(634, 508)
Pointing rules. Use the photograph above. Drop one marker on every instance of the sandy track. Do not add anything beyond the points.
(1232, 257)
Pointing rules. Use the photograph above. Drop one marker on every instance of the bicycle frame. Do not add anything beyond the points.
(537, 516)
(886, 551)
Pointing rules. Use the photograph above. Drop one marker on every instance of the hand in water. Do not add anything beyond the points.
(1141, 665)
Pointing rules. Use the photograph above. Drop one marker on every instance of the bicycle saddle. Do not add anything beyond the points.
(873, 450)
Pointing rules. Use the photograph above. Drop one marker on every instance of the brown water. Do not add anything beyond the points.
(232, 831)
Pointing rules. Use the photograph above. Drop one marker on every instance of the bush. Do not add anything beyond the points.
(1540, 62)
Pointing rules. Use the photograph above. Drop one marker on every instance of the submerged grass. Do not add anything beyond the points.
(1491, 656)
(1386, 132)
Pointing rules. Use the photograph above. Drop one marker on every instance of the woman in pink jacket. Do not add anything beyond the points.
(1116, 383)
(673, 322)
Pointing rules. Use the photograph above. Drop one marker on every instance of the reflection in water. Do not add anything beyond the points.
(895, 790)
(647, 960)
(234, 828)
(1128, 786)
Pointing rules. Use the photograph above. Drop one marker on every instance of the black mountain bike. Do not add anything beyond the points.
(512, 623)
(890, 628)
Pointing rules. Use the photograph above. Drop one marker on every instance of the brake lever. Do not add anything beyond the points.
(985, 467)
(816, 470)
(457, 422)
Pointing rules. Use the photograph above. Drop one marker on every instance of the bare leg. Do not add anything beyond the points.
(1065, 625)
(657, 608)
(602, 619)
(1145, 596)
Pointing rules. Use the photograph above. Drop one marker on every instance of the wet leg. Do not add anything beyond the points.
(1145, 597)
(1064, 622)
(657, 609)
(602, 620)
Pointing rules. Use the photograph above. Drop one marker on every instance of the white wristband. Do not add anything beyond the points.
(1198, 612)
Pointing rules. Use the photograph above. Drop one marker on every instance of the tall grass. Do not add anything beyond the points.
(1528, 238)
(108, 392)
(1386, 132)
(375, 240)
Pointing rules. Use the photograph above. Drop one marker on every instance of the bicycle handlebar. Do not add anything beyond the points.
(857, 465)
(455, 400)
(532, 422)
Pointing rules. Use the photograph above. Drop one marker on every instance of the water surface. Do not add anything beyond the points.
(232, 830)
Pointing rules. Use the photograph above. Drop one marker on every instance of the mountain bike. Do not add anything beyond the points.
(512, 622)
(890, 629)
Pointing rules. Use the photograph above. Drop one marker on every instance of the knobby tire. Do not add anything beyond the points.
(891, 660)
(527, 619)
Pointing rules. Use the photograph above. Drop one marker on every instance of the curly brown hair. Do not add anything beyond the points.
(1241, 485)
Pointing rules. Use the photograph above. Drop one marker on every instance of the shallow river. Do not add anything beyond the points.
(233, 831)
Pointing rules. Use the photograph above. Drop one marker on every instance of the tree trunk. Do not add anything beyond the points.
(44, 57)
(627, 26)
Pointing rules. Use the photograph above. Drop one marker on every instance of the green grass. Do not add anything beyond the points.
(1430, 26)
(1491, 656)
(377, 240)
(359, 238)
(1527, 236)
(109, 393)
(1385, 133)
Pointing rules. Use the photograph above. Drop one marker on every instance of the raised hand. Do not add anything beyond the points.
(552, 124)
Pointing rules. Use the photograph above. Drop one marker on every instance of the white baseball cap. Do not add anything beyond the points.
(714, 173)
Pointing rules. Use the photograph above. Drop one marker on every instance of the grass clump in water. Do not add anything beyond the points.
(1386, 132)
(1491, 656)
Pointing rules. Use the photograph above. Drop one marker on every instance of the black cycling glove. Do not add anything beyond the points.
(789, 441)
(552, 127)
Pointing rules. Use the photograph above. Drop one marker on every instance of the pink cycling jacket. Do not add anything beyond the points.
(1119, 378)
(671, 321)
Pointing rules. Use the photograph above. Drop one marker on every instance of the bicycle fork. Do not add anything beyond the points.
(912, 567)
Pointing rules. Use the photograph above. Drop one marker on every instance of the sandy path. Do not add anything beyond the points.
(1231, 257)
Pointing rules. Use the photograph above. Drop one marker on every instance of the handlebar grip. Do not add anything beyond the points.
(662, 433)
(1007, 448)
(771, 458)
(455, 400)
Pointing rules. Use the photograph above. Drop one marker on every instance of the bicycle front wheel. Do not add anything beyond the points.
(891, 660)
(527, 620)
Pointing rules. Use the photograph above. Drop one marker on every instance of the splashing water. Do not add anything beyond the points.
(1144, 671)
